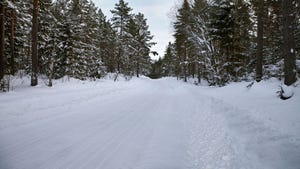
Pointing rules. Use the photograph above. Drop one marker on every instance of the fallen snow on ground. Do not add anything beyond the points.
(148, 124)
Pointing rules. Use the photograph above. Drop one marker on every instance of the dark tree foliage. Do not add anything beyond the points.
(183, 44)
(218, 41)
(34, 53)
(121, 18)
(260, 40)
(233, 40)
(289, 43)
(2, 39)
(73, 38)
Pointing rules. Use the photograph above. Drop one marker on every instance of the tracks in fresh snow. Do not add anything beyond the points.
(115, 128)
(137, 125)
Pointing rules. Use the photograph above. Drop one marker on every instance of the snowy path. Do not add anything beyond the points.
(138, 125)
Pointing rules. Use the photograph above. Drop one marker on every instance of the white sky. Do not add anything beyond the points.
(157, 13)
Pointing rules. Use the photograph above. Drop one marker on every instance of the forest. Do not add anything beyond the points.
(219, 41)
(81, 89)
(225, 41)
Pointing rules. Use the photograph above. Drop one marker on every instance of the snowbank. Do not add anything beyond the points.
(267, 127)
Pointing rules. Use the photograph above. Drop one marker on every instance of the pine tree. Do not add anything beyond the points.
(169, 61)
(12, 38)
(60, 11)
(2, 40)
(205, 61)
(289, 43)
(107, 42)
(259, 57)
(91, 52)
(34, 56)
(297, 31)
(140, 44)
(121, 17)
(47, 40)
(182, 43)
(23, 26)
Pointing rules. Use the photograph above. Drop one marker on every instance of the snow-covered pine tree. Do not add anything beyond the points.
(47, 40)
(2, 40)
(106, 42)
(221, 31)
(9, 27)
(241, 40)
(230, 25)
(121, 17)
(273, 38)
(23, 18)
(183, 43)
(297, 32)
(91, 52)
(60, 11)
(289, 53)
(12, 37)
(169, 61)
(206, 66)
(140, 44)
(77, 60)
(34, 45)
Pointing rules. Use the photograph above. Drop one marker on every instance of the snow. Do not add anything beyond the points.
(292, 50)
(287, 91)
(148, 124)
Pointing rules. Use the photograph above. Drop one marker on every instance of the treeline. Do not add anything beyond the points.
(232, 40)
(72, 38)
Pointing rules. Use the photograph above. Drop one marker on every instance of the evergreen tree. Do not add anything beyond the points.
(120, 19)
(11, 37)
(183, 44)
(140, 44)
(23, 26)
(205, 61)
(47, 40)
(34, 52)
(259, 57)
(289, 43)
(60, 11)
(81, 60)
(2, 40)
(107, 42)
(169, 61)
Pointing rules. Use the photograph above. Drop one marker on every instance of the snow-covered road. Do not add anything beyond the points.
(143, 124)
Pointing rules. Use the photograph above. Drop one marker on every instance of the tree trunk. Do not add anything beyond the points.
(260, 30)
(289, 43)
(50, 73)
(12, 39)
(34, 56)
(138, 64)
(138, 68)
(185, 65)
(2, 41)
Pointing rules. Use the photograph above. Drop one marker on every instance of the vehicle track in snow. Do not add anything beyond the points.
(145, 124)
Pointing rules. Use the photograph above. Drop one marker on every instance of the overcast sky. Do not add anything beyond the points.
(157, 13)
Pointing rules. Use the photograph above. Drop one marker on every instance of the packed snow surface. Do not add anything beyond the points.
(148, 124)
